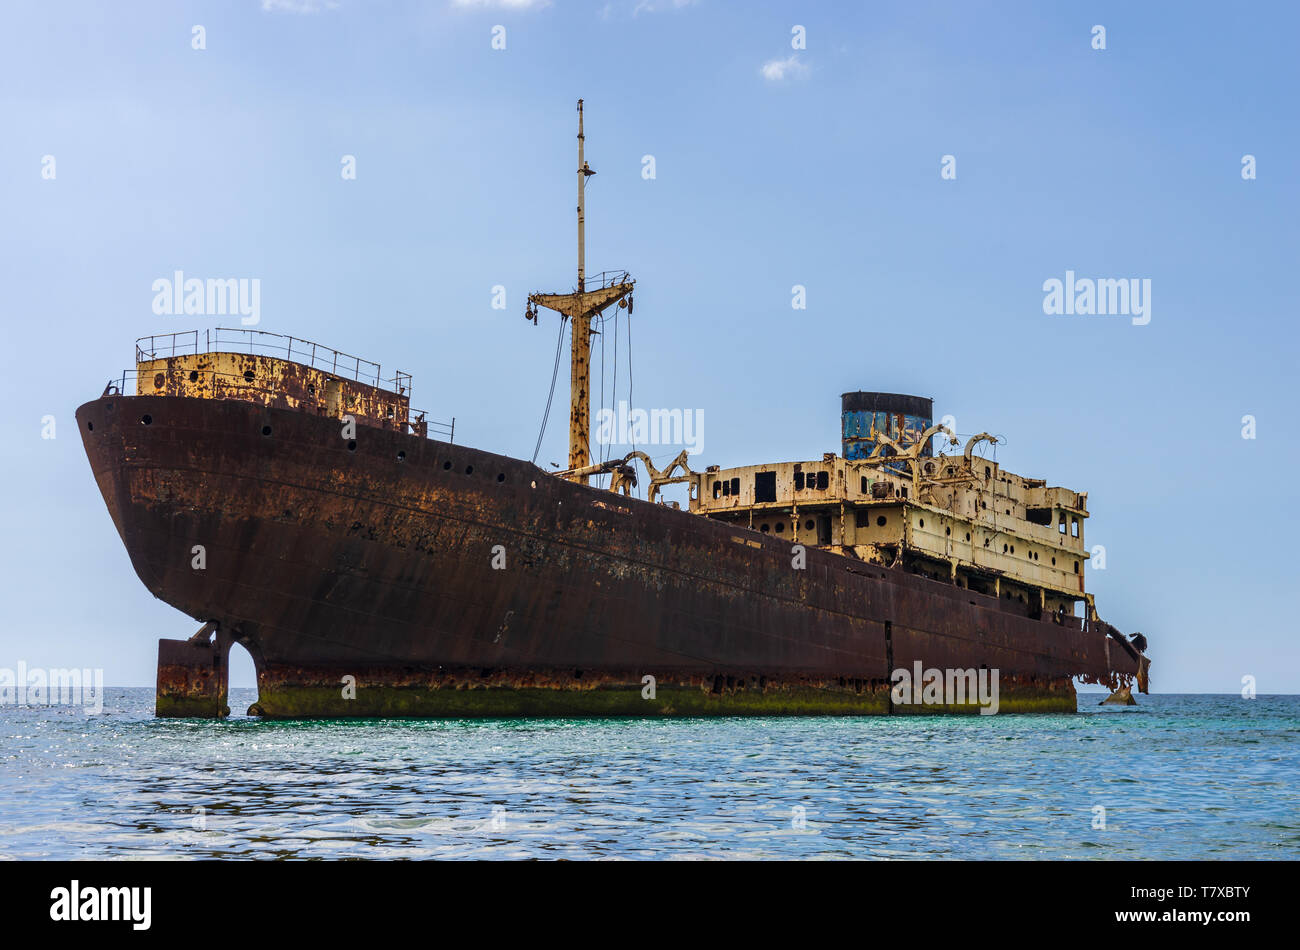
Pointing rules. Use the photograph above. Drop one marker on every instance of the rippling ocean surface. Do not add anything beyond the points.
(1178, 777)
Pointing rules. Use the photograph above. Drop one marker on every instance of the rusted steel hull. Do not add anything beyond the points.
(375, 571)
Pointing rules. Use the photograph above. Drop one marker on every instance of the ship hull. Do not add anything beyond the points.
(393, 575)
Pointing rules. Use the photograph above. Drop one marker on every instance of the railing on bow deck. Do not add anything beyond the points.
(278, 345)
(416, 422)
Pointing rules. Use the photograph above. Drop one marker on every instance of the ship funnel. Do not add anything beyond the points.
(864, 416)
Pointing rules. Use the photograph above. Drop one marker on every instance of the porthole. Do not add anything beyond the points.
(248, 375)
(765, 528)
(266, 430)
(469, 469)
(311, 389)
(194, 376)
(967, 535)
(90, 426)
(158, 380)
(501, 476)
(880, 522)
(809, 524)
(922, 522)
(352, 445)
(780, 527)
(1053, 562)
(947, 531)
(401, 456)
(1004, 549)
(446, 466)
(146, 420)
(532, 484)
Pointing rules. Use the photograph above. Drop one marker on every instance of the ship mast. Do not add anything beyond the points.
(580, 355)
(581, 308)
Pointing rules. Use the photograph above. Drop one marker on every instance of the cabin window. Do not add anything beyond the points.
(1041, 516)
(823, 481)
(1074, 527)
(1076, 567)
(717, 488)
(735, 486)
(764, 487)
(798, 481)
(864, 484)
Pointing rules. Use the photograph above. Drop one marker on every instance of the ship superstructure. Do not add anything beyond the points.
(889, 500)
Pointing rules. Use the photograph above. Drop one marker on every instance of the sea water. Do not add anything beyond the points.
(1180, 776)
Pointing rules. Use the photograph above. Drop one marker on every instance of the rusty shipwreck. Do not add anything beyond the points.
(288, 498)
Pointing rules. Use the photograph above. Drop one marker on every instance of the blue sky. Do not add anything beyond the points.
(1118, 163)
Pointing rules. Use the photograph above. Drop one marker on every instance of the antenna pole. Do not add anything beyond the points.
(580, 360)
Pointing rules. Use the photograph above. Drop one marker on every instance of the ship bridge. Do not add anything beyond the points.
(889, 501)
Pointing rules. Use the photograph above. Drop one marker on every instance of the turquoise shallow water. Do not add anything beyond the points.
(1178, 777)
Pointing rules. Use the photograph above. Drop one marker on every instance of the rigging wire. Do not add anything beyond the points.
(555, 371)
(613, 389)
(600, 328)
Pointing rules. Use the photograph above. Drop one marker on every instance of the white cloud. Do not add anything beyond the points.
(298, 6)
(777, 70)
(503, 4)
(654, 6)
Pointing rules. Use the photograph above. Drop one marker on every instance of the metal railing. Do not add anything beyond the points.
(279, 345)
(607, 278)
(416, 422)
(421, 425)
